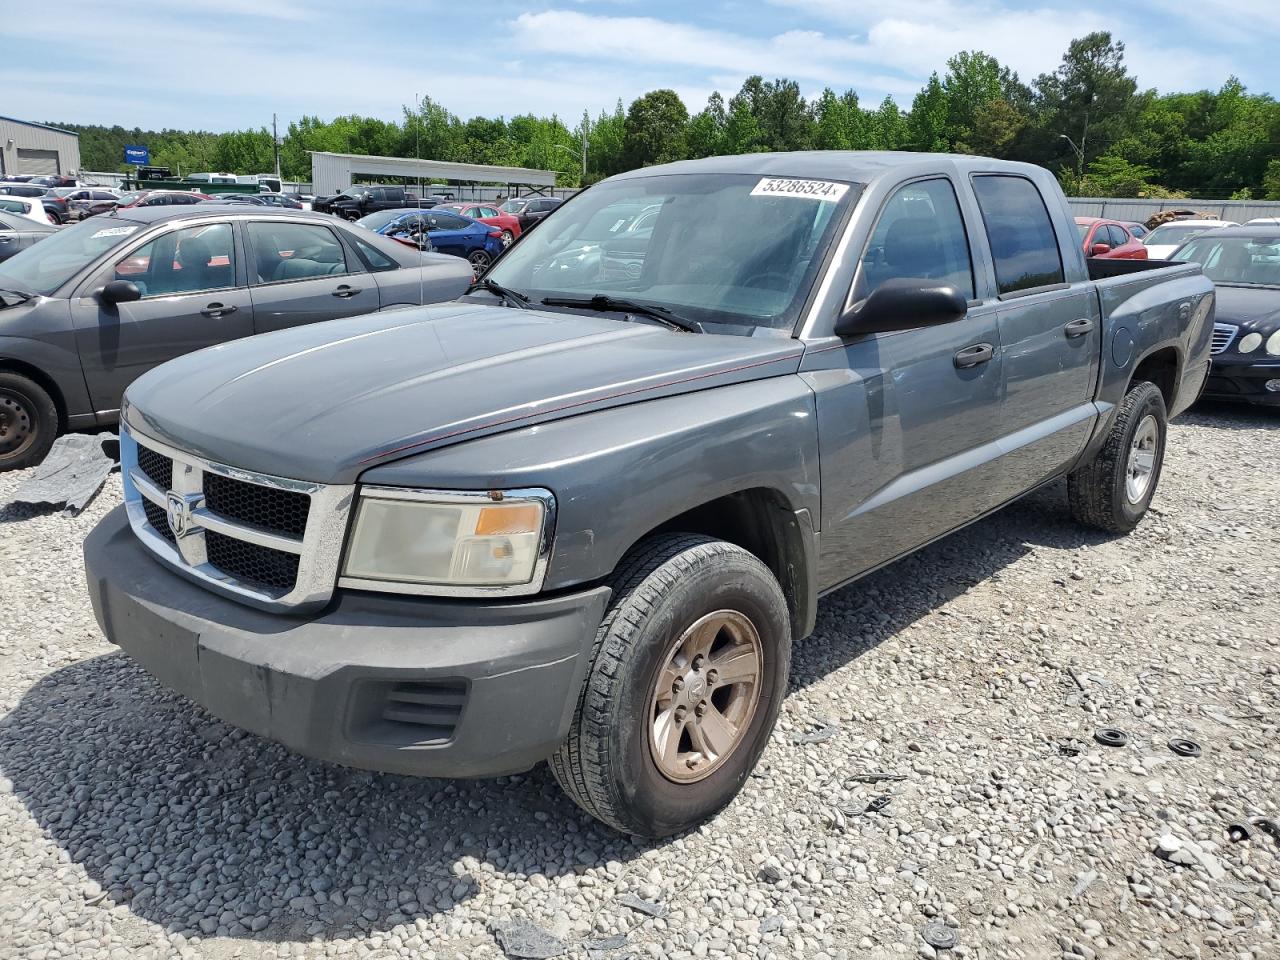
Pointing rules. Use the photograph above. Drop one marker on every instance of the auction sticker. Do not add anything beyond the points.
(809, 189)
(114, 232)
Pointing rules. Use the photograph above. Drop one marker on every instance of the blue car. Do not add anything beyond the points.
(449, 233)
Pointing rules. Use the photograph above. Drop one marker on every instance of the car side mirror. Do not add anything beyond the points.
(1098, 249)
(903, 303)
(120, 291)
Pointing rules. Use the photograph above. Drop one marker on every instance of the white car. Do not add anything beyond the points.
(29, 207)
(1263, 222)
(1168, 237)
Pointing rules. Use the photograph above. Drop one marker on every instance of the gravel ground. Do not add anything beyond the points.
(133, 825)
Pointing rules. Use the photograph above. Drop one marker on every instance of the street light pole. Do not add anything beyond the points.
(1079, 152)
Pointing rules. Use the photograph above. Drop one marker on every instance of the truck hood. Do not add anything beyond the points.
(325, 402)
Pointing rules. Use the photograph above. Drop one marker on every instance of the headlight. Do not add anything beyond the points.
(447, 543)
(1249, 342)
(1273, 344)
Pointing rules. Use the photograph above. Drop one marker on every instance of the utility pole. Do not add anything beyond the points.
(586, 134)
(275, 144)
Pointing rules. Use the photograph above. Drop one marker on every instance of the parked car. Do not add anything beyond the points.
(531, 210)
(583, 521)
(282, 200)
(253, 199)
(87, 201)
(54, 205)
(54, 181)
(1168, 237)
(89, 309)
(18, 233)
(361, 200)
(17, 178)
(1244, 265)
(1108, 239)
(160, 198)
(1136, 229)
(489, 214)
(449, 233)
(1263, 222)
(28, 207)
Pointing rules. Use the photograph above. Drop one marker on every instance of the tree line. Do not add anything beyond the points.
(1088, 121)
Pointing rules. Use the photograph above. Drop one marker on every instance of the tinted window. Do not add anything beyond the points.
(294, 251)
(182, 261)
(376, 259)
(445, 221)
(1118, 236)
(920, 233)
(1021, 235)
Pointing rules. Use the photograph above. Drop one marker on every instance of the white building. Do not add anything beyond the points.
(37, 149)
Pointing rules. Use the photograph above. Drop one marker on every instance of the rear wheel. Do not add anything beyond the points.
(689, 672)
(507, 238)
(28, 421)
(1113, 491)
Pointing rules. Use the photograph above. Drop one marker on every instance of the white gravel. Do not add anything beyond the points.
(133, 825)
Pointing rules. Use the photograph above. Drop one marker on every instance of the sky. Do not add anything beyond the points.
(230, 64)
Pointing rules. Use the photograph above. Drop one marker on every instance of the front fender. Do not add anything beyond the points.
(619, 474)
(54, 359)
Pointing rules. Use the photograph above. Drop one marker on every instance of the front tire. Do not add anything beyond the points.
(1113, 491)
(28, 422)
(688, 675)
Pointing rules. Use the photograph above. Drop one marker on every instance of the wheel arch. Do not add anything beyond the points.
(1163, 367)
(43, 380)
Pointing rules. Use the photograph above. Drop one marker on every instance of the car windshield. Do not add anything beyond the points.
(716, 248)
(1235, 261)
(49, 264)
(1172, 234)
(379, 219)
(128, 198)
(1083, 229)
(513, 206)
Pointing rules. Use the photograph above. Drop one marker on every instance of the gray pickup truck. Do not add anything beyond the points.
(581, 514)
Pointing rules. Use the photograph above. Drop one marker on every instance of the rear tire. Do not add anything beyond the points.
(508, 238)
(480, 261)
(28, 422)
(659, 741)
(1113, 491)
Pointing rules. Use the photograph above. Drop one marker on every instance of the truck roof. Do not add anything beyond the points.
(858, 166)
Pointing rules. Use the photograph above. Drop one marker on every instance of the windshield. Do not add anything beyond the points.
(128, 198)
(513, 206)
(1172, 234)
(716, 248)
(1244, 261)
(45, 267)
(1083, 229)
(379, 219)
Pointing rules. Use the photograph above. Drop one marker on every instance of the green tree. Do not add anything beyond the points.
(929, 123)
(605, 158)
(655, 129)
(706, 133)
(838, 123)
(886, 127)
(781, 114)
(1271, 181)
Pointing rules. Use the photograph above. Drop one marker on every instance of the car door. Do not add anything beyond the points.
(301, 273)
(194, 295)
(17, 233)
(1050, 334)
(907, 418)
(449, 234)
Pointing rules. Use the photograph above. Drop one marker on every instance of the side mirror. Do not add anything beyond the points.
(1098, 249)
(904, 303)
(120, 291)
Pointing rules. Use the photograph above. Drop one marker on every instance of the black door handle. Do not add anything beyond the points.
(217, 310)
(1078, 328)
(345, 291)
(974, 355)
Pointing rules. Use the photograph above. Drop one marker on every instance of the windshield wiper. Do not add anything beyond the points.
(513, 298)
(22, 295)
(607, 304)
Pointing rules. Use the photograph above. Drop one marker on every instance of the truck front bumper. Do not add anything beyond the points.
(405, 685)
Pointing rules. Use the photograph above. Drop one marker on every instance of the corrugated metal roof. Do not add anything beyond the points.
(408, 166)
(42, 126)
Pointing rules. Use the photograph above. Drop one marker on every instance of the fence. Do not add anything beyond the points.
(1139, 210)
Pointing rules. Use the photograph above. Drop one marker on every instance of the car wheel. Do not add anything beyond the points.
(28, 422)
(507, 238)
(480, 260)
(687, 677)
(1113, 491)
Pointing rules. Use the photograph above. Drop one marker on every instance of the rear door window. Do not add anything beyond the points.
(294, 251)
(920, 235)
(1118, 236)
(1023, 244)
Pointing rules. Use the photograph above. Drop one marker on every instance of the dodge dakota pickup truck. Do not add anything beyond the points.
(581, 514)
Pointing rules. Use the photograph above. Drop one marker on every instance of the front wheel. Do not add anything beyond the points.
(689, 672)
(28, 422)
(1113, 491)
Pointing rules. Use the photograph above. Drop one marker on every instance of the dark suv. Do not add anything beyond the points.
(531, 210)
(360, 201)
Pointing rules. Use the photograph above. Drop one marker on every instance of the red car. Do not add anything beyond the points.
(160, 198)
(488, 213)
(1109, 240)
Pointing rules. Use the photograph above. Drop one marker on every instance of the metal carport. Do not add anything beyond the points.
(332, 172)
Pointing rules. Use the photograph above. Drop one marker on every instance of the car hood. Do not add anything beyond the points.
(325, 402)
(1250, 308)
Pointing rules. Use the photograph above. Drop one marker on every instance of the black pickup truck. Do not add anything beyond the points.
(360, 200)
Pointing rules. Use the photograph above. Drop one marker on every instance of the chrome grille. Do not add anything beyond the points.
(267, 541)
(1223, 336)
